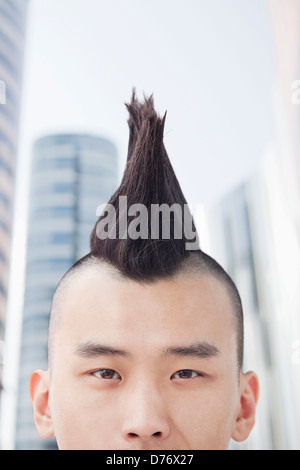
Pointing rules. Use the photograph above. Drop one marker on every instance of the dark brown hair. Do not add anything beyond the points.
(148, 179)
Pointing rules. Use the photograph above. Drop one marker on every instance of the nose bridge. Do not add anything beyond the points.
(145, 413)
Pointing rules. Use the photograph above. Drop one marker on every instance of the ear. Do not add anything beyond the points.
(245, 420)
(39, 394)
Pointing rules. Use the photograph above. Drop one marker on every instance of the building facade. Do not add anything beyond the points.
(249, 234)
(284, 185)
(255, 233)
(230, 232)
(13, 16)
(71, 175)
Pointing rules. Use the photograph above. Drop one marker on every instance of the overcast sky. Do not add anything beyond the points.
(209, 63)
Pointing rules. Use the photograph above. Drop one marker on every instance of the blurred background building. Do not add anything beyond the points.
(255, 231)
(242, 230)
(70, 176)
(13, 15)
(284, 186)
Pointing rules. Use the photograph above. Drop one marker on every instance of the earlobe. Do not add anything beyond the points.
(39, 394)
(245, 419)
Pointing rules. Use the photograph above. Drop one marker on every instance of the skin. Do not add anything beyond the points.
(144, 395)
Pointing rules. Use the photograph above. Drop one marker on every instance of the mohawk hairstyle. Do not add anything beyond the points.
(148, 179)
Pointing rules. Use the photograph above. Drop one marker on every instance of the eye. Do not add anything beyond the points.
(186, 374)
(106, 374)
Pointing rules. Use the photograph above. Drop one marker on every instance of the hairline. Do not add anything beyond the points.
(186, 270)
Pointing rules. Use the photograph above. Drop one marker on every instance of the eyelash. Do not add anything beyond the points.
(99, 371)
(198, 374)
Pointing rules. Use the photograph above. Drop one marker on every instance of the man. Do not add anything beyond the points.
(145, 335)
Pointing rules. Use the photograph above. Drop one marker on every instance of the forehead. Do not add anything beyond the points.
(94, 305)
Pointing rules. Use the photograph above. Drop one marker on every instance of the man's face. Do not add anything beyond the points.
(143, 367)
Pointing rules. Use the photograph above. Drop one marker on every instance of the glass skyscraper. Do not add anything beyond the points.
(243, 231)
(71, 175)
(285, 150)
(13, 15)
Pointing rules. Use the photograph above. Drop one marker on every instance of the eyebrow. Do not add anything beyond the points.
(198, 349)
(93, 350)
